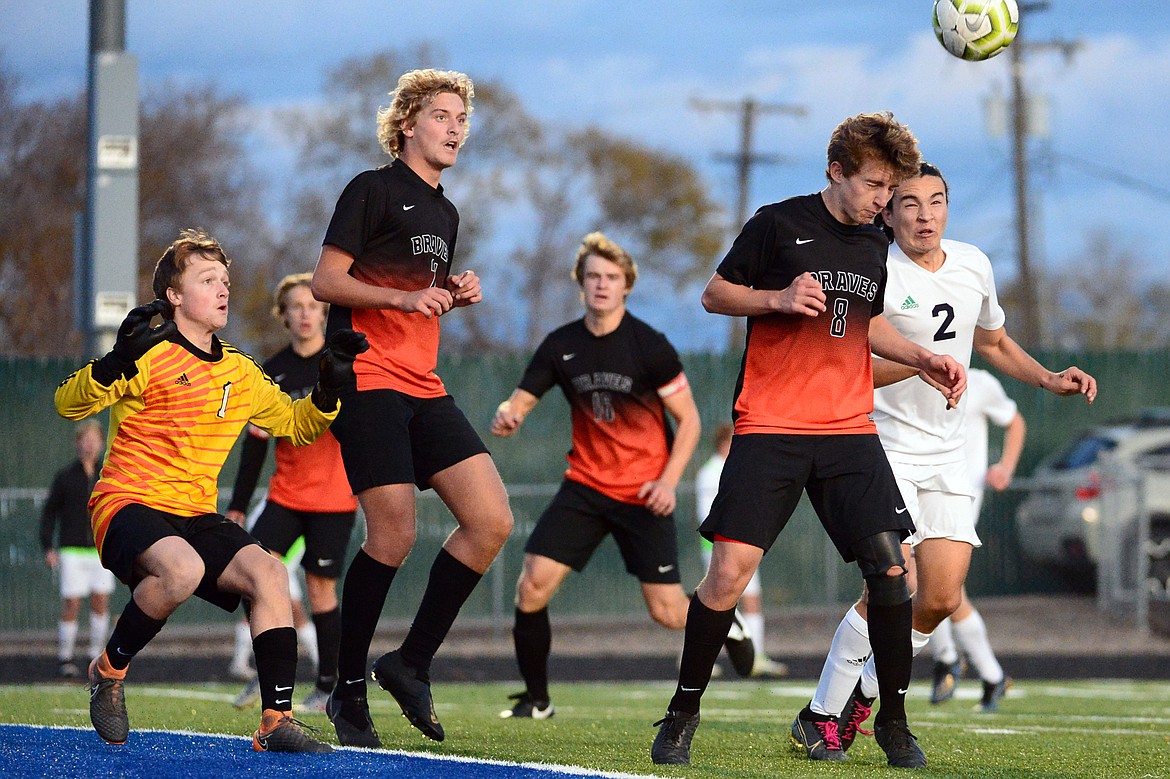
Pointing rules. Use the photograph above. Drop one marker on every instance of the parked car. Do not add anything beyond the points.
(1059, 522)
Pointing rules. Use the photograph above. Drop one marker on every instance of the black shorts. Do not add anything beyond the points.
(578, 520)
(848, 479)
(326, 536)
(214, 537)
(388, 437)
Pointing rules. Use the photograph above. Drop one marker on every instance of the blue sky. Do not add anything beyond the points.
(633, 68)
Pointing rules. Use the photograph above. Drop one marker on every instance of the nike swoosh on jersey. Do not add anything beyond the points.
(665, 568)
(903, 692)
(324, 561)
(902, 510)
(569, 356)
(280, 378)
(690, 689)
(407, 208)
(803, 241)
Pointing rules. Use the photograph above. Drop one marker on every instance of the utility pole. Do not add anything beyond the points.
(748, 109)
(1031, 331)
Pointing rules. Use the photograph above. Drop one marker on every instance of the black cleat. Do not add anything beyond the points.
(992, 694)
(899, 744)
(107, 706)
(279, 732)
(351, 720)
(946, 678)
(853, 716)
(412, 694)
(672, 745)
(740, 650)
(817, 735)
(527, 707)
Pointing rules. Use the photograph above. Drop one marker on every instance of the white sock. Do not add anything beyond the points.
(847, 655)
(307, 638)
(99, 628)
(971, 635)
(243, 648)
(869, 682)
(942, 644)
(66, 640)
(755, 626)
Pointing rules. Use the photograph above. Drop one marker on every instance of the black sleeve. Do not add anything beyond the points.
(251, 462)
(355, 211)
(662, 361)
(51, 512)
(539, 377)
(745, 259)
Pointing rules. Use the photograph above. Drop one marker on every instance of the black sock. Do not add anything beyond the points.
(706, 631)
(276, 666)
(448, 588)
(362, 597)
(328, 624)
(532, 636)
(133, 631)
(893, 657)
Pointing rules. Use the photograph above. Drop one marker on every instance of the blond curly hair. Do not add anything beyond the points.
(597, 243)
(416, 90)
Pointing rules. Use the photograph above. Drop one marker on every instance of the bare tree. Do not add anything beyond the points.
(526, 193)
(195, 171)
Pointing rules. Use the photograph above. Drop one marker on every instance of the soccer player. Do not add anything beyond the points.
(809, 272)
(308, 495)
(939, 293)
(621, 378)
(386, 269)
(178, 398)
(751, 604)
(965, 630)
(67, 541)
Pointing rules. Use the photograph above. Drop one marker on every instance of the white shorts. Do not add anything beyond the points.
(82, 574)
(753, 585)
(940, 501)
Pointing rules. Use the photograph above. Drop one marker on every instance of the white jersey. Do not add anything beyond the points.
(984, 400)
(707, 485)
(939, 311)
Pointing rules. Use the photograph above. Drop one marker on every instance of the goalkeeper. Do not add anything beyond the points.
(179, 397)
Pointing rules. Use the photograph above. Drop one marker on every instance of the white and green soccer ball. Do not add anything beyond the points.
(976, 29)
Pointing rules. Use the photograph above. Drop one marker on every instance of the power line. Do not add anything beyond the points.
(745, 159)
(1105, 173)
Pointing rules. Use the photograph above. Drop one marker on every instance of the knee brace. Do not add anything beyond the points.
(876, 555)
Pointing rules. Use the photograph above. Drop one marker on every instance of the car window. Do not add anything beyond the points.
(1156, 459)
(1083, 452)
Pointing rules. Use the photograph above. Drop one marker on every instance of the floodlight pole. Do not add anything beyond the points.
(107, 265)
(748, 109)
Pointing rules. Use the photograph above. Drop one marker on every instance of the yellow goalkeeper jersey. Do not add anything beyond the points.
(173, 424)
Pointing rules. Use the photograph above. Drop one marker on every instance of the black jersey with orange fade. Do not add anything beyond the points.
(803, 374)
(614, 384)
(401, 233)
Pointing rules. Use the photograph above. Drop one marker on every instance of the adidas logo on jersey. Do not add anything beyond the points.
(183, 381)
(909, 303)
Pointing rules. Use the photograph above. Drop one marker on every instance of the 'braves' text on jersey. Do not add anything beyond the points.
(401, 233)
(614, 384)
(802, 374)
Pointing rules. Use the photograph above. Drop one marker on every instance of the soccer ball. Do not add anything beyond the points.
(976, 29)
